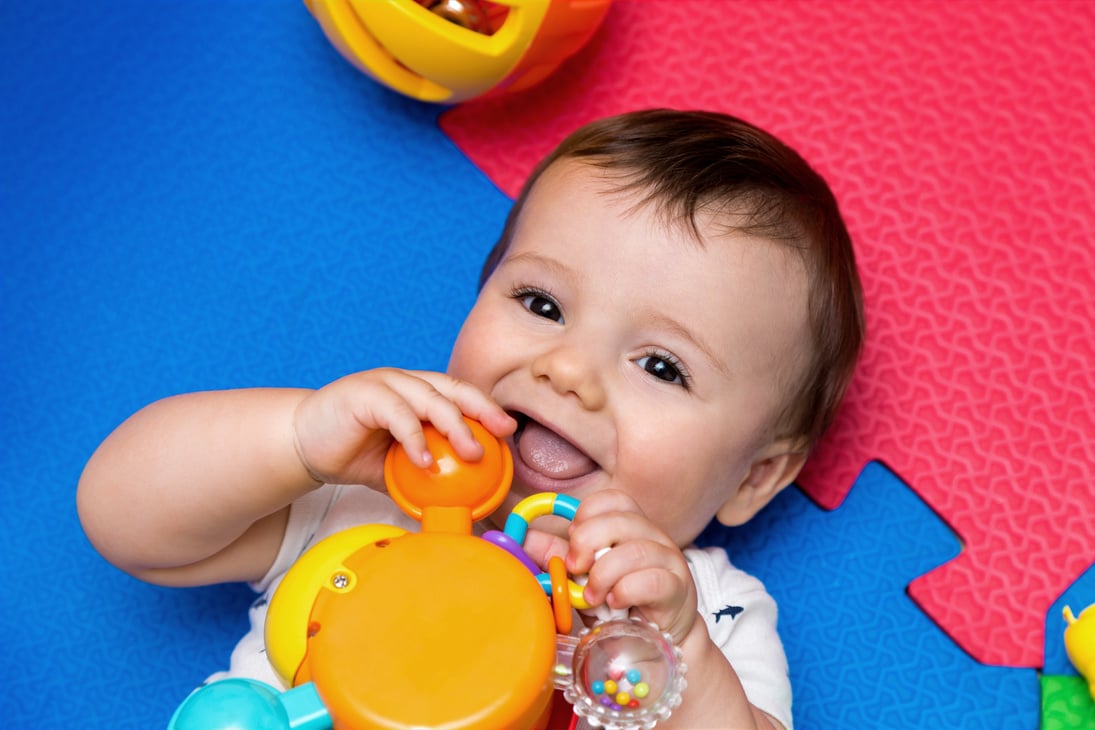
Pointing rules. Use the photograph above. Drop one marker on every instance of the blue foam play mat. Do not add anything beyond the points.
(200, 195)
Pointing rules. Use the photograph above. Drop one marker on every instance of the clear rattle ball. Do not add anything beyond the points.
(628, 675)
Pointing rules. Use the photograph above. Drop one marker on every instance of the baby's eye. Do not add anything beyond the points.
(664, 367)
(540, 304)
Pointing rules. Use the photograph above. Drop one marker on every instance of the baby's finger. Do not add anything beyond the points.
(403, 422)
(633, 557)
(607, 501)
(415, 394)
(652, 588)
(590, 533)
(473, 403)
(450, 401)
(543, 546)
(660, 597)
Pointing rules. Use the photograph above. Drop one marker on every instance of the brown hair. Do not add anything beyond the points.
(687, 161)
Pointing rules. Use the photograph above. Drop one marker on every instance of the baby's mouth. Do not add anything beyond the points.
(547, 453)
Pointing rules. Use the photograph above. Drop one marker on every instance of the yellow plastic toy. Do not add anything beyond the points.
(449, 51)
(1080, 643)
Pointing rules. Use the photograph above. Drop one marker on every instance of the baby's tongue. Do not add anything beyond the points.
(550, 454)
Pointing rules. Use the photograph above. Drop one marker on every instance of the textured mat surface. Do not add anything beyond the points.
(199, 194)
(193, 195)
(862, 654)
(960, 141)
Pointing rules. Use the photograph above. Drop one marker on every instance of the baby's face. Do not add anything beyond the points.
(633, 357)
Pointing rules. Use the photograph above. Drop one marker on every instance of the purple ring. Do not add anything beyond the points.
(511, 546)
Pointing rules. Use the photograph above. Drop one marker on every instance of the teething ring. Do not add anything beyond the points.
(541, 505)
(538, 505)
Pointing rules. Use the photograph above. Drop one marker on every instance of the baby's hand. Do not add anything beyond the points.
(644, 569)
(344, 429)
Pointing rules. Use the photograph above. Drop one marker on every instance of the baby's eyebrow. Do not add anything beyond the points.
(665, 322)
(531, 257)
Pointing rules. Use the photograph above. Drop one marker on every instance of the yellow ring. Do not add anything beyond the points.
(578, 596)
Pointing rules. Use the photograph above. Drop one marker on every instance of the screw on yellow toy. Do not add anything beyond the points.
(377, 628)
(1080, 643)
(449, 51)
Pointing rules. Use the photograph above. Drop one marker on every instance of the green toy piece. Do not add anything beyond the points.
(1066, 704)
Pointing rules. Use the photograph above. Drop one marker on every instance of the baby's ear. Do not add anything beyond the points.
(777, 467)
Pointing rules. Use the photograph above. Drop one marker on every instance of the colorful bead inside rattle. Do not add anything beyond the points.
(621, 689)
(627, 674)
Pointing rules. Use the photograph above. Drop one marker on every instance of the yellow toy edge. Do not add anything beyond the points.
(286, 632)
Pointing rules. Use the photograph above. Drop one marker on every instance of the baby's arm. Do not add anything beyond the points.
(196, 488)
(646, 570)
(714, 697)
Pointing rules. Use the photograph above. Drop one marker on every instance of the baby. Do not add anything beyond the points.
(665, 328)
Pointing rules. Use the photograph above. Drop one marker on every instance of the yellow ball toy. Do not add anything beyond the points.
(449, 51)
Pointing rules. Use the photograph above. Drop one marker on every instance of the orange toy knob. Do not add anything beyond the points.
(452, 493)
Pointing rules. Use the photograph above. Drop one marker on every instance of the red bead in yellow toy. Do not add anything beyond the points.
(449, 51)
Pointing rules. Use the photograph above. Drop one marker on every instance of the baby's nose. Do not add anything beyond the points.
(569, 370)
